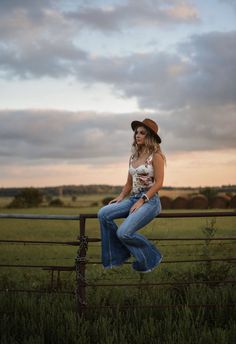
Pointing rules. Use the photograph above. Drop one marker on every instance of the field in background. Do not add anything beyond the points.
(69, 231)
(49, 318)
(86, 200)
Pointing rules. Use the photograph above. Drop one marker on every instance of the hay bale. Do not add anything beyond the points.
(180, 202)
(220, 202)
(198, 202)
(166, 202)
(232, 202)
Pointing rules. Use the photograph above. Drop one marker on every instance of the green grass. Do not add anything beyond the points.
(51, 318)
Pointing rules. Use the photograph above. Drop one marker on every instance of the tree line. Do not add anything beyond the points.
(71, 190)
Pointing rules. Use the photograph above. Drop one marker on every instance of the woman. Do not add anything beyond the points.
(145, 179)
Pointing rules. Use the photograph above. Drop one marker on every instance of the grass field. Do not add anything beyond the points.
(34, 318)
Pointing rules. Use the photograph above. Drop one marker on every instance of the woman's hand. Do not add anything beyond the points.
(117, 199)
(136, 205)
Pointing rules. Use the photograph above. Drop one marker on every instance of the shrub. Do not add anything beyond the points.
(27, 198)
(48, 198)
(209, 192)
(94, 204)
(56, 202)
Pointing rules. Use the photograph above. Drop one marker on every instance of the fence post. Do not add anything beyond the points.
(80, 264)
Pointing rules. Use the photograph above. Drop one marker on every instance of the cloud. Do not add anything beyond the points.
(230, 2)
(26, 19)
(213, 77)
(27, 5)
(40, 39)
(200, 128)
(41, 59)
(201, 72)
(130, 14)
(22, 21)
(191, 91)
(53, 135)
(43, 136)
(36, 40)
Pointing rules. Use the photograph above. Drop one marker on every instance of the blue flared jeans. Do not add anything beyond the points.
(119, 243)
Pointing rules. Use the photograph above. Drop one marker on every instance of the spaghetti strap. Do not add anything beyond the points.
(131, 159)
(149, 158)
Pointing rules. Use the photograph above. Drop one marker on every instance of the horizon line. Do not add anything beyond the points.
(112, 185)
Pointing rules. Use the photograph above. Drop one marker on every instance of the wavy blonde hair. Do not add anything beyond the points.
(150, 145)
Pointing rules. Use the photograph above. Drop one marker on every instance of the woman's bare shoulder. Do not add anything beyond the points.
(157, 155)
(157, 158)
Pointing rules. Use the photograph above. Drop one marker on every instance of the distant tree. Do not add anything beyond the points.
(48, 198)
(27, 198)
(56, 202)
(209, 192)
(94, 204)
(74, 198)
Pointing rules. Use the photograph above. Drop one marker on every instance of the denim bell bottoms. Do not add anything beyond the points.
(119, 243)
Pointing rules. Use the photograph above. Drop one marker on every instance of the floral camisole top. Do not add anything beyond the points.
(143, 175)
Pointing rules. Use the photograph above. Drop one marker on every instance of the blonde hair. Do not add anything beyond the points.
(150, 145)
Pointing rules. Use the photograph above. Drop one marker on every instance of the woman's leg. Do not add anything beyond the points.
(146, 254)
(114, 252)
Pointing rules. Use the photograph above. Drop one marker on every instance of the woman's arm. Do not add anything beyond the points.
(125, 191)
(158, 166)
(128, 186)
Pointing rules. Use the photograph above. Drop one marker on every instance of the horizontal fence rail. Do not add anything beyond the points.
(72, 268)
(39, 217)
(94, 216)
(72, 243)
(77, 243)
(81, 260)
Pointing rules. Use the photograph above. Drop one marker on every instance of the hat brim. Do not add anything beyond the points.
(136, 124)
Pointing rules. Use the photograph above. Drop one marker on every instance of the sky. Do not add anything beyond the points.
(75, 74)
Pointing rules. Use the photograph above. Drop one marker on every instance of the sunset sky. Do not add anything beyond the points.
(75, 73)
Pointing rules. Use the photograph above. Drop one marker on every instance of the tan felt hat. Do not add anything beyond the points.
(150, 124)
